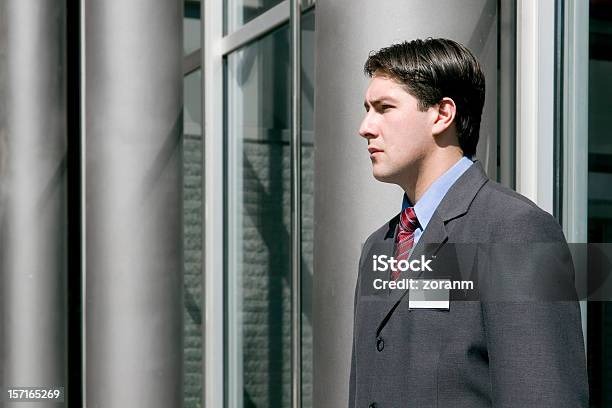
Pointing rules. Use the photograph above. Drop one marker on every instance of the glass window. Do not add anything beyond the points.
(308, 40)
(192, 238)
(257, 225)
(191, 27)
(240, 12)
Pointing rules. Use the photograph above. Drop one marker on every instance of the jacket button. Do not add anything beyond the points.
(380, 345)
(373, 405)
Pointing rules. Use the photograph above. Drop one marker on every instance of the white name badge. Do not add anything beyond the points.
(428, 294)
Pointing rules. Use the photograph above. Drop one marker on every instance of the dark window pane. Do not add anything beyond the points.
(599, 192)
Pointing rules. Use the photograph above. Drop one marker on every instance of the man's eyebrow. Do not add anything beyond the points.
(379, 101)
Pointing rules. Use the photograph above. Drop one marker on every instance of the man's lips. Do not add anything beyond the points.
(373, 150)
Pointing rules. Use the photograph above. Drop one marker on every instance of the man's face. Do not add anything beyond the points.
(399, 135)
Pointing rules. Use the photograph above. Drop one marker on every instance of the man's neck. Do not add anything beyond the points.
(428, 171)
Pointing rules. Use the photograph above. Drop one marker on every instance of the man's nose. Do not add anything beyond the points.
(367, 128)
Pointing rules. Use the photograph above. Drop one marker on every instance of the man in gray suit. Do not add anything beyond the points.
(513, 340)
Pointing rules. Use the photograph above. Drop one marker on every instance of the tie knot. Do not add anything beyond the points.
(408, 220)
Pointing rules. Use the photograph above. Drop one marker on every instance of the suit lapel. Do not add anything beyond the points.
(455, 204)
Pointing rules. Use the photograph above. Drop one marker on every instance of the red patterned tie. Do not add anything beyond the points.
(404, 239)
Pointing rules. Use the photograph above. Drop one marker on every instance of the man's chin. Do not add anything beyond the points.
(383, 177)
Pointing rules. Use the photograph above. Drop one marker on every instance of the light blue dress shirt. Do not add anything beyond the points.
(428, 203)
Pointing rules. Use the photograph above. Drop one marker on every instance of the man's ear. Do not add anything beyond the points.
(445, 112)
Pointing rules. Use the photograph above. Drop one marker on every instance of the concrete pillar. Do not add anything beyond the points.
(134, 267)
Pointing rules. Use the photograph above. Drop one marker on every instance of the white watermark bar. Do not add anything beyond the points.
(491, 272)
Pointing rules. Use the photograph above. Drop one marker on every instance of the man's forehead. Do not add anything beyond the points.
(381, 87)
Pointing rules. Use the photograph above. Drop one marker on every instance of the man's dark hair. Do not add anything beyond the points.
(432, 69)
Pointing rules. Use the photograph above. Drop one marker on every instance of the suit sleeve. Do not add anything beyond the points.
(532, 319)
(352, 385)
(353, 374)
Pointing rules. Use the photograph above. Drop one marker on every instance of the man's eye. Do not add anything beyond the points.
(386, 107)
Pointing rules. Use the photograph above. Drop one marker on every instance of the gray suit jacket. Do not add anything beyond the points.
(506, 344)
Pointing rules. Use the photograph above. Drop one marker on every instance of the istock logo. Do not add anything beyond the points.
(382, 263)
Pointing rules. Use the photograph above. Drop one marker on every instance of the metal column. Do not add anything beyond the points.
(134, 267)
(33, 205)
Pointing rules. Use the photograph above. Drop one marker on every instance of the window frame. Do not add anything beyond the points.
(216, 48)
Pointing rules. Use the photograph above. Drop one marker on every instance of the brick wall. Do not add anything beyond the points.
(266, 307)
(192, 236)
(266, 274)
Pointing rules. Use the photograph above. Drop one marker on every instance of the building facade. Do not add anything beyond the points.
(179, 183)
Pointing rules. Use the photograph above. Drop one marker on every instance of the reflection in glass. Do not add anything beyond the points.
(240, 12)
(192, 238)
(308, 41)
(257, 225)
(599, 193)
(191, 26)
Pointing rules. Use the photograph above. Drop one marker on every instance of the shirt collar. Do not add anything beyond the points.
(428, 203)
